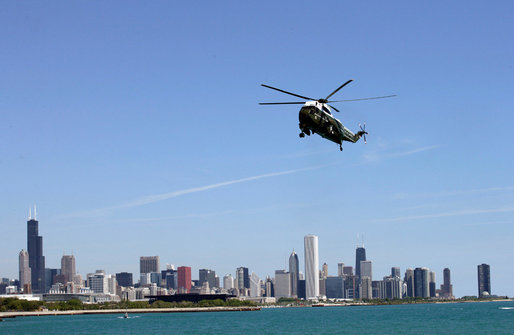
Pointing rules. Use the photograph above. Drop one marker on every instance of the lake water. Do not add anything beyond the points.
(455, 318)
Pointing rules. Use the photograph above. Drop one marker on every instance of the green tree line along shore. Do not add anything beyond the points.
(17, 305)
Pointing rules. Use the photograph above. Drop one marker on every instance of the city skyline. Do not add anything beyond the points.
(420, 282)
(136, 129)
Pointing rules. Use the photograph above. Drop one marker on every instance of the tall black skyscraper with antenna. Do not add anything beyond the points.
(36, 258)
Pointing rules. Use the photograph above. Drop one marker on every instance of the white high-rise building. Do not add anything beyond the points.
(25, 273)
(311, 266)
(255, 285)
(98, 282)
(228, 282)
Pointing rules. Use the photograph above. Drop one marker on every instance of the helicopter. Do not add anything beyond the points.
(316, 117)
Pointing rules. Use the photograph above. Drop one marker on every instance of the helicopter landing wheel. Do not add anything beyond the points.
(340, 147)
(302, 135)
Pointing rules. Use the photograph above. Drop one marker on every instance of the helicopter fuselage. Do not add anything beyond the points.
(316, 117)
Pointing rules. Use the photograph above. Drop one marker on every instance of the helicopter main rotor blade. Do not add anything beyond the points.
(286, 92)
(387, 96)
(340, 87)
(282, 103)
(337, 110)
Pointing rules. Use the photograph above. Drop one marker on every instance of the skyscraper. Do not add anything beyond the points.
(360, 255)
(294, 270)
(366, 269)
(206, 275)
(421, 282)
(431, 284)
(447, 287)
(243, 279)
(68, 267)
(124, 279)
(395, 272)
(311, 266)
(148, 264)
(255, 285)
(325, 270)
(184, 279)
(24, 272)
(340, 268)
(228, 282)
(484, 280)
(36, 258)
(409, 280)
(282, 286)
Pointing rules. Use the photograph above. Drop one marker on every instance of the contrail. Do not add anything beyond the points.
(149, 199)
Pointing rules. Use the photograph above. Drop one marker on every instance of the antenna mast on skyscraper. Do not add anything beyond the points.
(30, 214)
(35, 213)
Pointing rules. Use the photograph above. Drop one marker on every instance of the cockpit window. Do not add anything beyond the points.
(325, 109)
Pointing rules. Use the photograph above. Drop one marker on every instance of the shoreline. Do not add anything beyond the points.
(7, 315)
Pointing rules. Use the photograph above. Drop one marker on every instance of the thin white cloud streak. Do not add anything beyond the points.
(449, 214)
(375, 157)
(399, 196)
(149, 199)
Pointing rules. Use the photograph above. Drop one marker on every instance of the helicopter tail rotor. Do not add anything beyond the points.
(363, 132)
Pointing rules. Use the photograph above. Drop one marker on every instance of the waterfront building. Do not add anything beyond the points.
(365, 289)
(228, 282)
(243, 278)
(393, 287)
(447, 287)
(50, 276)
(378, 290)
(334, 287)
(395, 272)
(36, 258)
(170, 278)
(68, 268)
(421, 282)
(431, 284)
(294, 270)
(282, 284)
(206, 275)
(322, 288)
(144, 279)
(484, 280)
(350, 287)
(269, 287)
(98, 282)
(25, 276)
(155, 278)
(124, 279)
(409, 281)
(255, 285)
(311, 267)
(184, 279)
(301, 289)
(148, 264)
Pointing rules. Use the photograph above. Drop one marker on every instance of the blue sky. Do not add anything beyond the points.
(135, 128)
